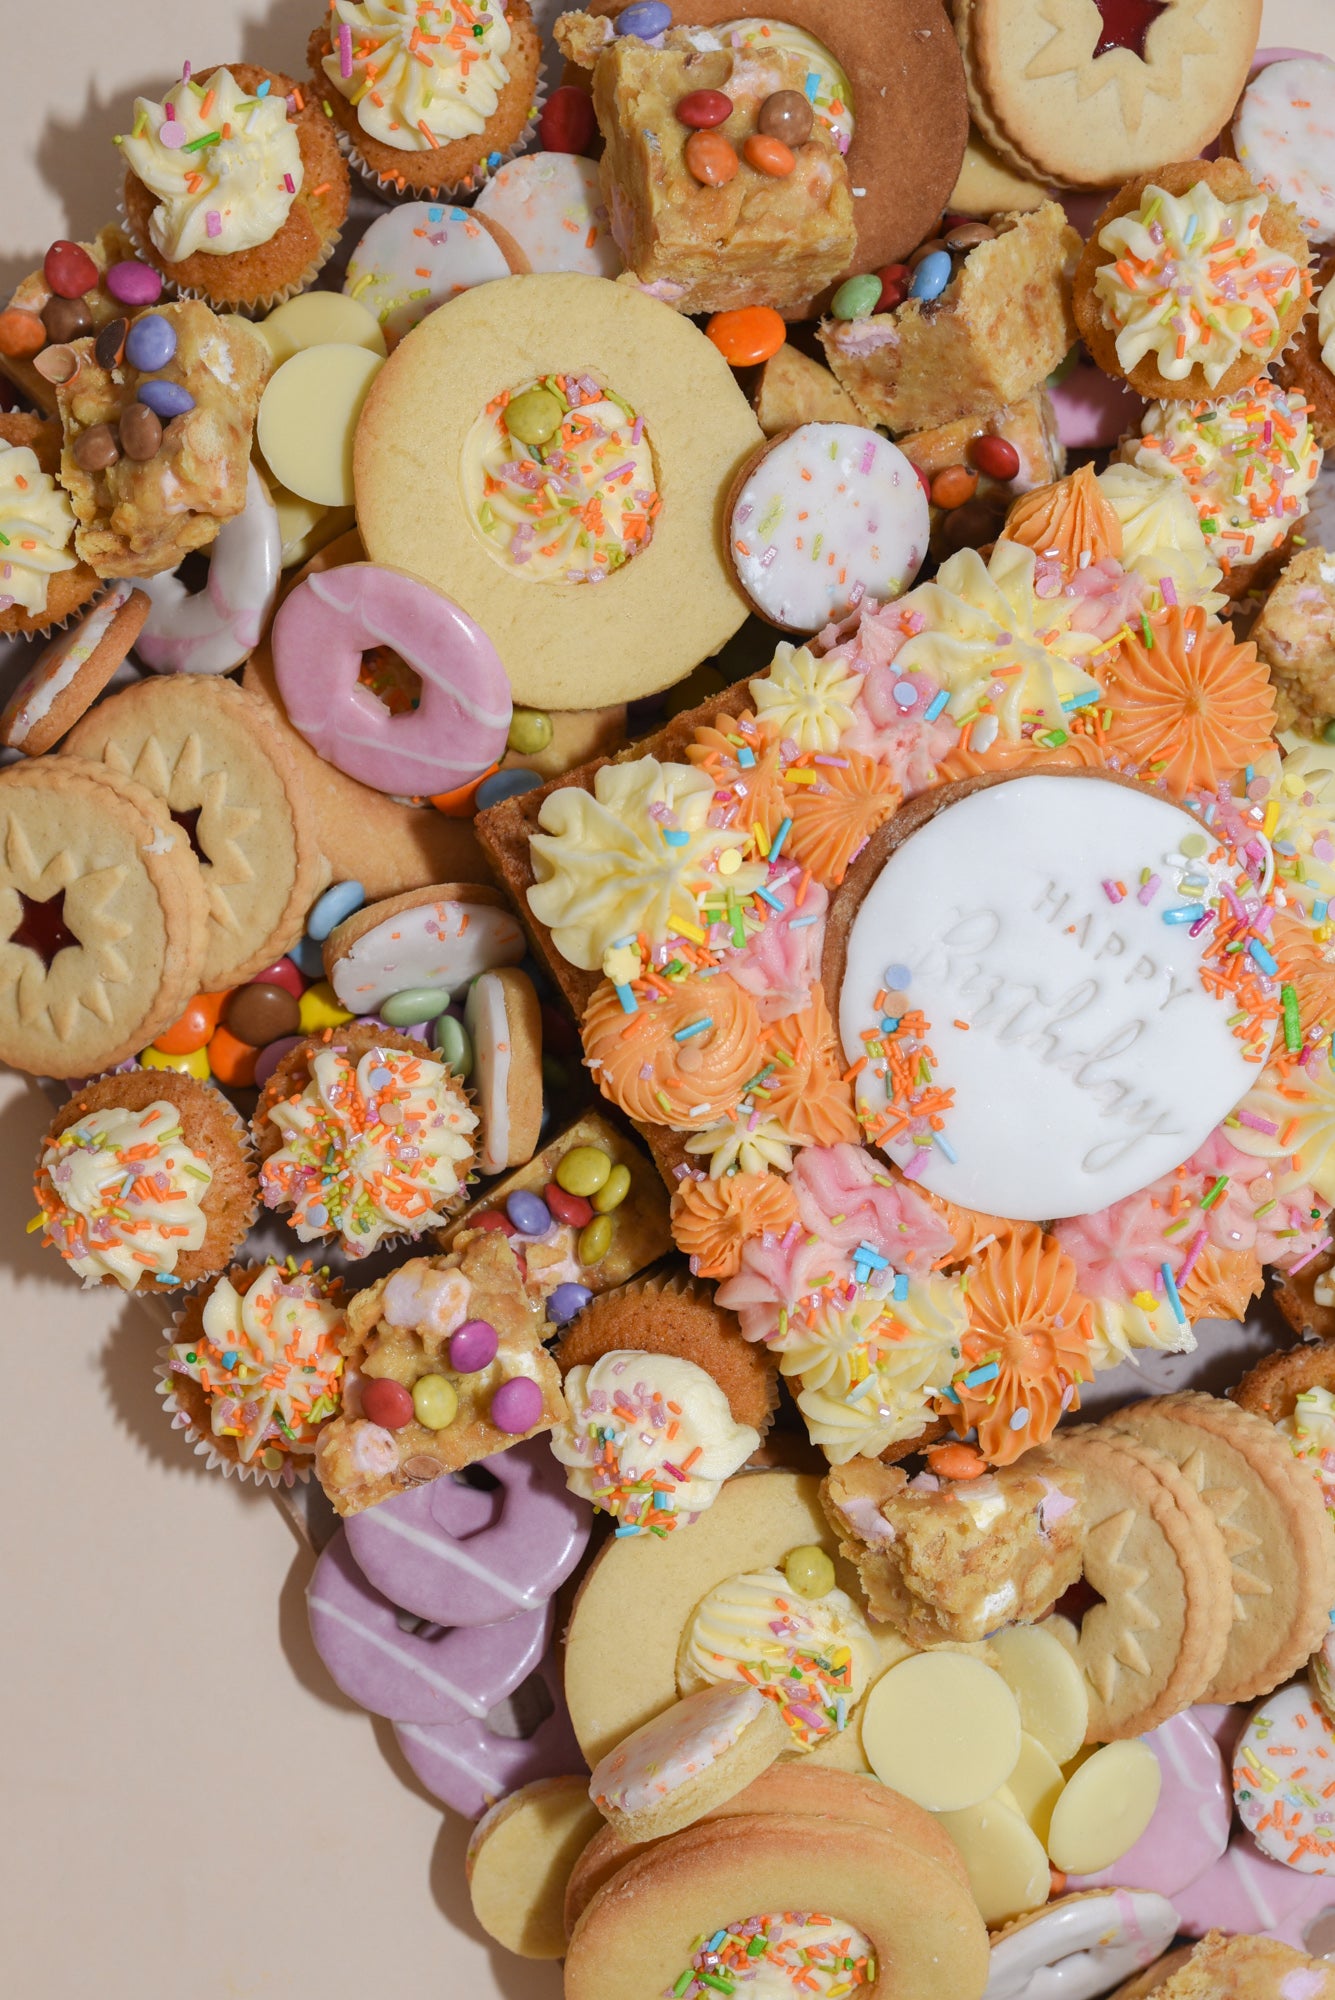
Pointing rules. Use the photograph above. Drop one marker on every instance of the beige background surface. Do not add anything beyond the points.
(189, 1808)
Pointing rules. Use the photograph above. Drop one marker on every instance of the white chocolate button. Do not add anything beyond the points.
(315, 319)
(1007, 1867)
(1085, 1055)
(308, 419)
(943, 1729)
(1105, 1808)
(1047, 1684)
(1035, 1784)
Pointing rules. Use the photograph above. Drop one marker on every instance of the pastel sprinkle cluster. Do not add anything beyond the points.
(818, 1958)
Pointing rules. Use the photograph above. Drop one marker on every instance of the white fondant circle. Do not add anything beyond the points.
(1079, 1948)
(831, 514)
(1085, 1055)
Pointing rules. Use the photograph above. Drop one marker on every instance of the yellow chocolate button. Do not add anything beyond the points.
(943, 1729)
(1004, 1859)
(1105, 1807)
(1048, 1685)
(315, 319)
(1035, 1784)
(308, 418)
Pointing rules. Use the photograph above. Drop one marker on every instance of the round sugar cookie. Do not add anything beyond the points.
(1006, 1861)
(877, 1896)
(1104, 1808)
(442, 936)
(1047, 1685)
(1078, 1946)
(204, 747)
(942, 1728)
(822, 517)
(519, 1861)
(552, 205)
(644, 624)
(70, 673)
(504, 1022)
(420, 255)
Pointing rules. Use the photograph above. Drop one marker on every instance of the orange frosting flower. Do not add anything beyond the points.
(1082, 752)
(1067, 520)
(712, 1220)
(1191, 708)
(972, 1227)
(1026, 1318)
(1221, 1284)
(1302, 967)
(756, 787)
(806, 1091)
(833, 818)
(682, 1057)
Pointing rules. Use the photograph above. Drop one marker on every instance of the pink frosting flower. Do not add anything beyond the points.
(779, 965)
(845, 1198)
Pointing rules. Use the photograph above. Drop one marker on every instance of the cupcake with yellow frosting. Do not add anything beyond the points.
(428, 97)
(235, 189)
(42, 580)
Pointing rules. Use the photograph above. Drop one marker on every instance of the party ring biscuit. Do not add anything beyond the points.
(203, 746)
(1076, 1944)
(504, 404)
(103, 913)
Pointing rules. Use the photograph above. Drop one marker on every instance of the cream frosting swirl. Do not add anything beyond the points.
(1162, 537)
(122, 1194)
(649, 1438)
(225, 166)
(1290, 1117)
(573, 510)
(814, 1656)
(268, 1361)
(866, 1372)
(1325, 326)
(636, 855)
(1297, 816)
(1193, 282)
(369, 1151)
(808, 701)
(1248, 463)
(36, 528)
(420, 73)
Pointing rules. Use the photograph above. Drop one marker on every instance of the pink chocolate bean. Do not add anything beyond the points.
(444, 1677)
(462, 1557)
(1189, 1830)
(470, 1765)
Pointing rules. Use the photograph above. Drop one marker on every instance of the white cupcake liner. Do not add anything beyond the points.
(293, 1471)
(388, 188)
(253, 308)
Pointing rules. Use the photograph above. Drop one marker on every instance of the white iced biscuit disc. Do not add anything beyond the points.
(419, 256)
(828, 514)
(1284, 132)
(1062, 993)
(1283, 1774)
(552, 205)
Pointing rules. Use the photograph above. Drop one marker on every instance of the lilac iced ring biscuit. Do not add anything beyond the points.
(460, 1556)
(432, 1676)
(469, 1765)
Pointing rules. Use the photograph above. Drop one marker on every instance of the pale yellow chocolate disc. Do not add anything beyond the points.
(1007, 1867)
(314, 319)
(1035, 1784)
(1105, 1807)
(1048, 1685)
(308, 419)
(943, 1729)
(519, 1862)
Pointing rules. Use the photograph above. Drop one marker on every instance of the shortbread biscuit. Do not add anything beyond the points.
(71, 672)
(204, 747)
(519, 1860)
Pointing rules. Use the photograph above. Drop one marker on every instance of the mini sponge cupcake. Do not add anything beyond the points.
(256, 1369)
(363, 1137)
(666, 1401)
(42, 581)
(145, 1181)
(235, 189)
(428, 96)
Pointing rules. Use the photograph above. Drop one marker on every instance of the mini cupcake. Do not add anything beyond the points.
(428, 96)
(145, 1182)
(256, 1369)
(235, 190)
(42, 580)
(363, 1137)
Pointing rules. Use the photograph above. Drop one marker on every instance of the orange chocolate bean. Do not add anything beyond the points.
(956, 1461)
(194, 1028)
(231, 1061)
(769, 156)
(21, 333)
(953, 486)
(710, 159)
(747, 336)
(461, 803)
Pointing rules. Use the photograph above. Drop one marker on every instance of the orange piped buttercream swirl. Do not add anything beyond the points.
(834, 818)
(1221, 1284)
(639, 1063)
(1191, 708)
(1027, 1318)
(972, 1228)
(1070, 522)
(1302, 966)
(806, 1092)
(712, 1221)
(757, 787)
(1080, 752)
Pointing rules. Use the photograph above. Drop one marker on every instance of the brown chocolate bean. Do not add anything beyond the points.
(96, 448)
(66, 319)
(786, 115)
(110, 344)
(140, 431)
(969, 235)
(261, 1013)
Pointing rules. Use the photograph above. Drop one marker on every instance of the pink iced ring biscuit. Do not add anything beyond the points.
(448, 1552)
(552, 205)
(435, 1676)
(1080, 1946)
(319, 636)
(212, 630)
(1189, 1830)
(420, 256)
(469, 1765)
(1245, 1891)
